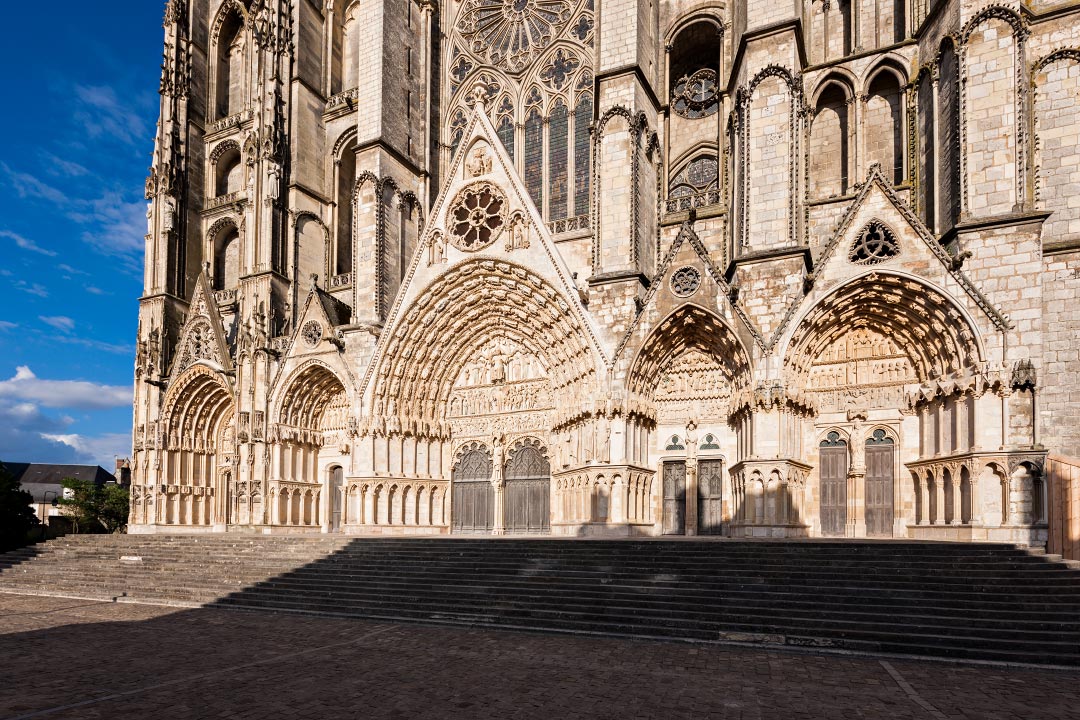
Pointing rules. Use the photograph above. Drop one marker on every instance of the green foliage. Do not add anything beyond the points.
(17, 517)
(96, 508)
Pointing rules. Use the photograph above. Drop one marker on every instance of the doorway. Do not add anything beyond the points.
(833, 471)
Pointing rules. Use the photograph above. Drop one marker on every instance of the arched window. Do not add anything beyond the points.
(928, 152)
(534, 156)
(228, 173)
(227, 259)
(506, 134)
(697, 177)
(949, 135)
(346, 183)
(695, 70)
(884, 126)
(829, 144)
(558, 129)
(230, 65)
(583, 116)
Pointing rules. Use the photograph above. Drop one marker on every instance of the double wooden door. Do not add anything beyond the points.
(674, 498)
(833, 472)
(710, 497)
(473, 496)
(880, 459)
(528, 492)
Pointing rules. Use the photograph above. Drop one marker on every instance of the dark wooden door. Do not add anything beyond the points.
(674, 498)
(474, 497)
(833, 470)
(527, 507)
(337, 482)
(710, 497)
(880, 457)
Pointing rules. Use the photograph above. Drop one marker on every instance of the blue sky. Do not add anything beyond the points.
(76, 136)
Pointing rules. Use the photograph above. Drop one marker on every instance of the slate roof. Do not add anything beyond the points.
(39, 478)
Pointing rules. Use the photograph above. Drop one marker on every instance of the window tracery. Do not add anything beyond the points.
(510, 33)
(535, 58)
(699, 176)
(477, 217)
(875, 244)
(696, 95)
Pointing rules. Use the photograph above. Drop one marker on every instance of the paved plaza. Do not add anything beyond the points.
(65, 658)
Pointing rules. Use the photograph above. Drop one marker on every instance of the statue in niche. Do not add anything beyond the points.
(437, 249)
(519, 234)
(168, 213)
(479, 164)
(273, 181)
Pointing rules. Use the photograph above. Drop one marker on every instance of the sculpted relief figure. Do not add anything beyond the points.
(479, 164)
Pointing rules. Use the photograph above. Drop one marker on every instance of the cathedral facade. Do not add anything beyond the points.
(768, 268)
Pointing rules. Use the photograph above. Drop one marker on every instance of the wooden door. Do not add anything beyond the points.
(527, 492)
(674, 498)
(832, 471)
(474, 497)
(880, 458)
(337, 482)
(710, 497)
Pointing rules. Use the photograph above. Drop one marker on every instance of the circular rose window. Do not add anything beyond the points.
(476, 219)
(312, 333)
(685, 281)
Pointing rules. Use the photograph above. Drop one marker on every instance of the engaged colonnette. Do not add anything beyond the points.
(767, 268)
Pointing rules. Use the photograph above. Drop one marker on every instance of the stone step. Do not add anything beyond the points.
(978, 601)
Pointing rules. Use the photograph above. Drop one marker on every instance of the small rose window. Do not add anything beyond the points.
(477, 217)
(875, 244)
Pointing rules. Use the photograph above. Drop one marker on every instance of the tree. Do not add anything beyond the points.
(17, 516)
(96, 508)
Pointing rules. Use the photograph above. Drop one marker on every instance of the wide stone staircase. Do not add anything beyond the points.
(974, 602)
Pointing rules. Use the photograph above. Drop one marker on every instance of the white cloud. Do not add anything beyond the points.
(100, 449)
(28, 186)
(22, 435)
(64, 324)
(26, 243)
(29, 388)
(32, 288)
(94, 344)
(103, 115)
(96, 290)
(6, 325)
(119, 227)
(70, 270)
(59, 166)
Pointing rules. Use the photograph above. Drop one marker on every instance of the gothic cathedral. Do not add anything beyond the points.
(766, 268)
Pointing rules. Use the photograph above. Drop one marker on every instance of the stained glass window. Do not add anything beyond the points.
(534, 156)
(457, 130)
(558, 129)
(582, 155)
(698, 177)
(506, 134)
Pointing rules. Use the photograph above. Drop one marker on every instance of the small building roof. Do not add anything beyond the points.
(40, 478)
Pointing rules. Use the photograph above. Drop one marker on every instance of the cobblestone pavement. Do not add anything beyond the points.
(63, 658)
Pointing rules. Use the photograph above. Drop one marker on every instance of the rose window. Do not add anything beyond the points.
(685, 281)
(312, 333)
(875, 244)
(510, 33)
(696, 95)
(476, 219)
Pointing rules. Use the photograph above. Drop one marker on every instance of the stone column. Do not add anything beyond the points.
(499, 484)
(939, 500)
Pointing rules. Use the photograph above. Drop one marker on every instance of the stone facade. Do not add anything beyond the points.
(611, 267)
